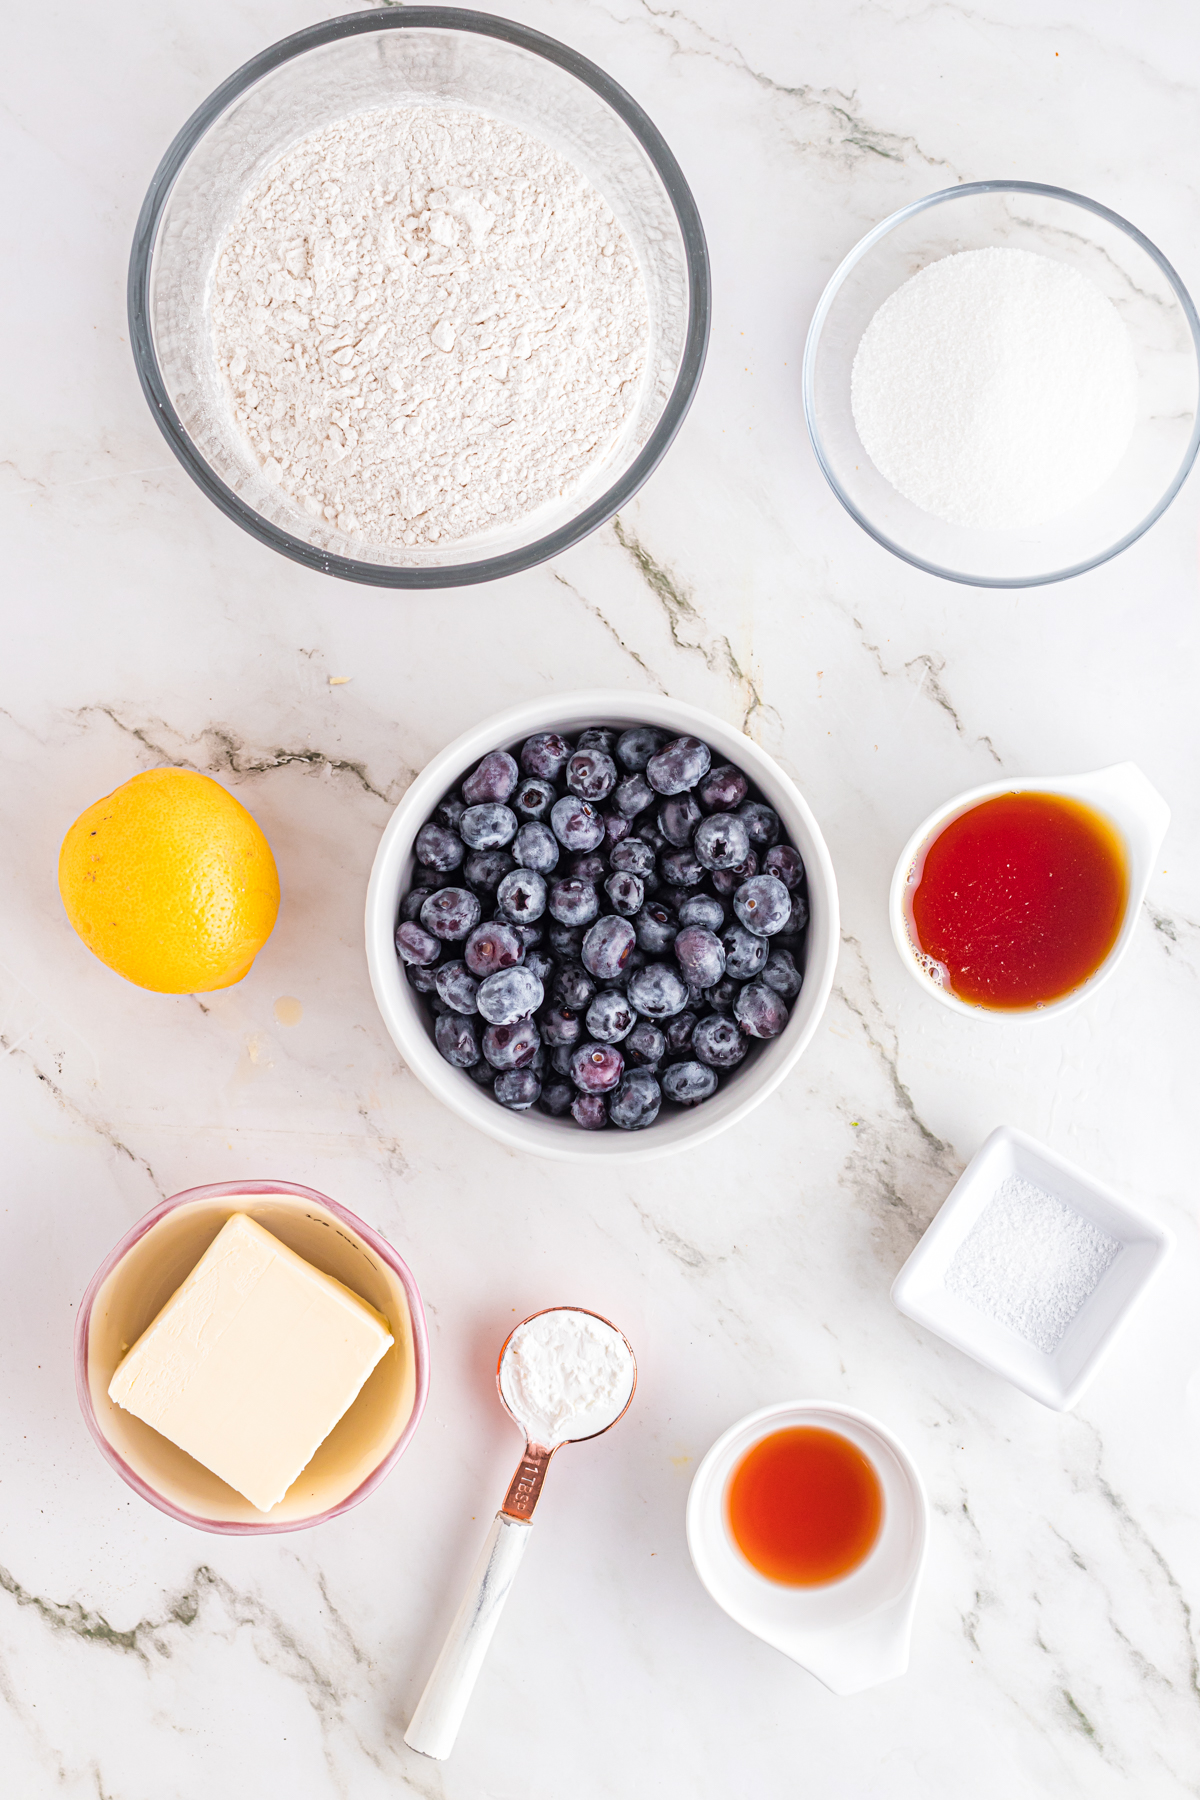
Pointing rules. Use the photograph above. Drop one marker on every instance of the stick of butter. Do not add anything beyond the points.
(252, 1362)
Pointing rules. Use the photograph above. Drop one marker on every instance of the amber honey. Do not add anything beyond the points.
(1020, 899)
(804, 1506)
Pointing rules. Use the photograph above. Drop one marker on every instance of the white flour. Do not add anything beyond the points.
(995, 389)
(431, 324)
(565, 1375)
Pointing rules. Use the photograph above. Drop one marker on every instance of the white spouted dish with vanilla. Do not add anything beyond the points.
(252, 1361)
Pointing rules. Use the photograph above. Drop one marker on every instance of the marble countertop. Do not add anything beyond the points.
(1055, 1649)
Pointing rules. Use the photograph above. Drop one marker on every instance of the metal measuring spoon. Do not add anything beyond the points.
(435, 1723)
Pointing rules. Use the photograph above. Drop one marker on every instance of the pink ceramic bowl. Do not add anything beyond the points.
(132, 1285)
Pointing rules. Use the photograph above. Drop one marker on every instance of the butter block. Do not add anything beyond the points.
(252, 1361)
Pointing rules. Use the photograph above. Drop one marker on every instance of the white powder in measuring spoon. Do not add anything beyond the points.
(1029, 1262)
(430, 322)
(566, 1375)
(995, 389)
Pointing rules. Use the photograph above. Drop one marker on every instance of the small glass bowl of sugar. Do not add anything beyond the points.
(1031, 1267)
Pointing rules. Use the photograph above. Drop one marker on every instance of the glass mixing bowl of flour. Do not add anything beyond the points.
(1164, 336)
(282, 461)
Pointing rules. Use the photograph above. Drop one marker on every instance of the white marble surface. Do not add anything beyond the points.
(1055, 1653)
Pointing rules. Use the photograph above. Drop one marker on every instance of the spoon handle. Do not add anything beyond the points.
(434, 1726)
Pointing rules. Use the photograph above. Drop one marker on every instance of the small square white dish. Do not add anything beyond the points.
(1057, 1380)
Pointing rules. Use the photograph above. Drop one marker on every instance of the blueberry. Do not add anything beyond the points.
(760, 1011)
(482, 1073)
(457, 1039)
(413, 901)
(723, 788)
(701, 955)
(492, 779)
(536, 847)
(545, 755)
(591, 774)
(727, 881)
(687, 1083)
(560, 1060)
(632, 796)
(450, 811)
(451, 913)
(702, 909)
(530, 935)
(636, 746)
(488, 826)
(517, 1089)
(521, 896)
(439, 848)
(649, 833)
(573, 986)
(560, 1025)
(781, 973)
(457, 987)
(658, 991)
(607, 947)
(745, 952)
(763, 905)
(636, 1102)
(722, 995)
(645, 1046)
(633, 857)
(423, 979)
(655, 927)
(785, 864)
(597, 737)
(799, 918)
(678, 817)
(590, 1111)
(610, 1017)
(590, 867)
(493, 946)
(509, 995)
(762, 822)
(577, 824)
(595, 1068)
(615, 829)
(681, 868)
(424, 877)
(538, 962)
(533, 798)
(679, 766)
(484, 870)
(573, 902)
(678, 1034)
(556, 1098)
(625, 894)
(566, 940)
(414, 945)
(718, 1042)
(511, 1046)
(721, 841)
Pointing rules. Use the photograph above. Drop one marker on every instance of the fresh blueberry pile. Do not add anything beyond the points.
(604, 925)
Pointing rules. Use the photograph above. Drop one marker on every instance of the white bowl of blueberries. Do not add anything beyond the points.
(603, 925)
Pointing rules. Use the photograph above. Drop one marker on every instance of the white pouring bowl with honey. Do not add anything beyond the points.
(1123, 808)
(840, 1604)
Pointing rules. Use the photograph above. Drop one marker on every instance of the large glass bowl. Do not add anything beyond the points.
(1165, 336)
(421, 56)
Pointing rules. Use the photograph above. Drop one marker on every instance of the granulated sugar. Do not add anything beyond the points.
(1029, 1262)
(996, 388)
(431, 323)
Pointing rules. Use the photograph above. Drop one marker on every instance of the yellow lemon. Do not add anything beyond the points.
(171, 883)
